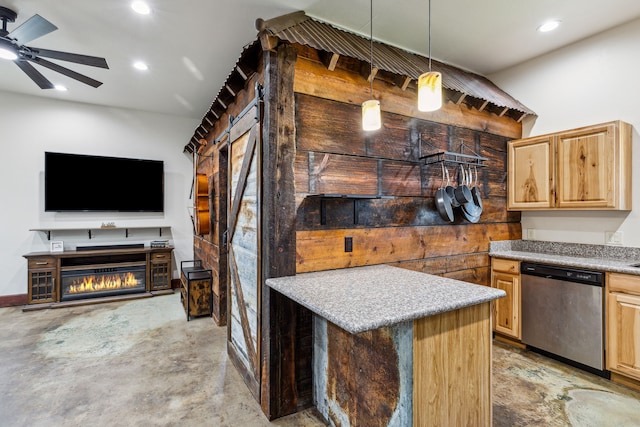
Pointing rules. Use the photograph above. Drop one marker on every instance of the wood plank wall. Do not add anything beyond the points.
(402, 227)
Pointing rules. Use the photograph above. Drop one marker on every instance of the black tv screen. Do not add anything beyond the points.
(83, 183)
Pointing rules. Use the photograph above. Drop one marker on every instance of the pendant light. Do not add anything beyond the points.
(430, 83)
(371, 109)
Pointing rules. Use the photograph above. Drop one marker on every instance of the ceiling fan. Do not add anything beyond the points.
(12, 47)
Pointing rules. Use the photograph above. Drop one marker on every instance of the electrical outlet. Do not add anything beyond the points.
(531, 234)
(348, 244)
(613, 237)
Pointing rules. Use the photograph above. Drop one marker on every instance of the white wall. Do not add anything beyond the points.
(29, 126)
(592, 81)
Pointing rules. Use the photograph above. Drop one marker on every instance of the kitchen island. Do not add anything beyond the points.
(395, 347)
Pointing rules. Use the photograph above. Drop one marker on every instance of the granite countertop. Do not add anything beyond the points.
(359, 299)
(593, 257)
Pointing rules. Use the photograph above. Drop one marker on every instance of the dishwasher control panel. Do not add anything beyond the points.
(563, 273)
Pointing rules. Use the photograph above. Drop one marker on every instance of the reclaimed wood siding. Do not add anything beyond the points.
(394, 220)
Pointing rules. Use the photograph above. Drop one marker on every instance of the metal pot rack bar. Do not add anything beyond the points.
(452, 157)
(455, 158)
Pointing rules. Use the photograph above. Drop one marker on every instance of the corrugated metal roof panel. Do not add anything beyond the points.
(323, 36)
(301, 29)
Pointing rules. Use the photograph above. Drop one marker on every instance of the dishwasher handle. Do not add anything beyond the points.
(587, 277)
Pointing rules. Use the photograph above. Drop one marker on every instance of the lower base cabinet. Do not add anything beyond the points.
(623, 324)
(505, 275)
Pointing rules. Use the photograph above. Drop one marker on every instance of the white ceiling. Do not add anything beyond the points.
(192, 45)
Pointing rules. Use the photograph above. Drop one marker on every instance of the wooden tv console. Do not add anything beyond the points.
(44, 269)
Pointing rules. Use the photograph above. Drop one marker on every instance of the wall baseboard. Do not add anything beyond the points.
(13, 300)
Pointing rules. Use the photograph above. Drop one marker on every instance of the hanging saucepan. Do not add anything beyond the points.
(443, 201)
(462, 191)
(450, 189)
(475, 191)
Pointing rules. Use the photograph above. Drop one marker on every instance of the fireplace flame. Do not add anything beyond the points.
(103, 283)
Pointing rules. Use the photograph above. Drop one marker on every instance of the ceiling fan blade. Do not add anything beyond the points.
(93, 61)
(67, 72)
(31, 29)
(35, 75)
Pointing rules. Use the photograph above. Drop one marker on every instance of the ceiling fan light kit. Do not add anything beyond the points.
(12, 47)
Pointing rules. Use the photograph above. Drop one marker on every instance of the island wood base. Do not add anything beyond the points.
(452, 368)
(433, 371)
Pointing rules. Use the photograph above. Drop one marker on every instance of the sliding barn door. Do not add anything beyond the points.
(244, 248)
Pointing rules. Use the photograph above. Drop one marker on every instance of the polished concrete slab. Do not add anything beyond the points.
(140, 363)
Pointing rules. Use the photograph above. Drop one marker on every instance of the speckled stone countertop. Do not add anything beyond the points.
(617, 259)
(360, 299)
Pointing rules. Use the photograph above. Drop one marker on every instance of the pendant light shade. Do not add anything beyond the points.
(371, 119)
(371, 115)
(430, 91)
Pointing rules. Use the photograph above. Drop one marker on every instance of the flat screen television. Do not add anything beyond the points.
(84, 183)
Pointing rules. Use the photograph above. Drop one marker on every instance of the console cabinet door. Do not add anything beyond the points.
(42, 274)
(530, 177)
(623, 332)
(507, 309)
(160, 270)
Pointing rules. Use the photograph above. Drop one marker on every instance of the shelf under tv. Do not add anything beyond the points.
(91, 230)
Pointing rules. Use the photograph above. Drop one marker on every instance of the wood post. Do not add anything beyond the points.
(282, 319)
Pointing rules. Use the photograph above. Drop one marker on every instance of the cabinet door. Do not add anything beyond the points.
(160, 270)
(507, 309)
(42, 280)
(623, 334)
(530, 173)
(586, 168)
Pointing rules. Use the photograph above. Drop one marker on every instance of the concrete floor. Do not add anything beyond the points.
(140, 363)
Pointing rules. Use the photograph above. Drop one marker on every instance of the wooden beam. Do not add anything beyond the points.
(241, 72)
(329, 59)
(403, 82)
(462, 97)
(503, 112)
(286, 349)
(221, 103)
(231, 91)
(522, 117)
(483, 106)
(268, 42)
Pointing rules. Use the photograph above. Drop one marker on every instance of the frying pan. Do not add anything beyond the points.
(470, 210)
(450, 189)
(462, 191)
(475, 191)
(443, 201)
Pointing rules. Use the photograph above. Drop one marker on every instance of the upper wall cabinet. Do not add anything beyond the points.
(586, 168)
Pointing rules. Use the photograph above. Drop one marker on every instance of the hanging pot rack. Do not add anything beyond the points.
(452, 157)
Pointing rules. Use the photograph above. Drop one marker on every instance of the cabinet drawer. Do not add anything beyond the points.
(505, 265)
(626, 283)
(41, 263)
(159, 256)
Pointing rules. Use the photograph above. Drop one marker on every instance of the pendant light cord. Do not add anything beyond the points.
(429, 35)
(371, 50)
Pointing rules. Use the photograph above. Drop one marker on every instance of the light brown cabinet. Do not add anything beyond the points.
(623, 324)
(505, 275)
(585, 168)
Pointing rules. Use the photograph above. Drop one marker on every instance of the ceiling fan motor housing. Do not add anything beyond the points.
(6, 15)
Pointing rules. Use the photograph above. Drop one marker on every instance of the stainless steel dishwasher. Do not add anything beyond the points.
(563, 314)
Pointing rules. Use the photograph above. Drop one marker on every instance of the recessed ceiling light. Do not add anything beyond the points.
(548, 26)
(139, 65)
(141, 7)
(61, 88)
